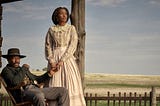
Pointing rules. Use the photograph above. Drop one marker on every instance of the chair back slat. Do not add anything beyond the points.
(8, 91)
(26, 103)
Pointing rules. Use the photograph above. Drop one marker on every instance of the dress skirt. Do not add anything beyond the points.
(68, 76)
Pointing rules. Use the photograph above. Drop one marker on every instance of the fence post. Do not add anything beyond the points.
(86, 98)
(153, 97)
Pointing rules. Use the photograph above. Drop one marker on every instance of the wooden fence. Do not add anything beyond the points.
(131, 99)
(120, 99)
(124, 99)
(5, 100)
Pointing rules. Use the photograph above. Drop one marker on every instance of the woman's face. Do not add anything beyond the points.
(62, 16)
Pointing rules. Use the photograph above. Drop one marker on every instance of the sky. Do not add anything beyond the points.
(122, 36)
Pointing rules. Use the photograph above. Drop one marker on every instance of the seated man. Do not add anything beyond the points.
(13, 74)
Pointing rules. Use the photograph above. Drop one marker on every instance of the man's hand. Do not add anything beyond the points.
(55, 67)
(52, 71)
(26, 66)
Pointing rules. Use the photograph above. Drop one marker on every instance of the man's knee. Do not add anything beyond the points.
(39, 96)
(39, 99)
(63, 91)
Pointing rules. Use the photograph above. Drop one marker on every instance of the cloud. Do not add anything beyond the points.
(34, 10)
(106, 2)
(28, 10)
(134, 53)
(32, 47)
(136, 44)
(156, 2)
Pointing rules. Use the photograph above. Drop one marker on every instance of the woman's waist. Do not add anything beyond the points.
(60, 47)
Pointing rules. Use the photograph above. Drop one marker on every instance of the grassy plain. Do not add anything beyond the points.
(102, 83)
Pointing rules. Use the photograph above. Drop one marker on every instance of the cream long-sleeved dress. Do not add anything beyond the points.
(60, 45)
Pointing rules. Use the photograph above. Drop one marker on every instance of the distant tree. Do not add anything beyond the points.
(44, 69)
(37, 70)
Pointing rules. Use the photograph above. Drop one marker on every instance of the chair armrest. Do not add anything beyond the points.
(17, 87)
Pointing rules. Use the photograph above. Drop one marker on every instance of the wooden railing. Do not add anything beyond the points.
(131, 99)
(5, 100)
(120, 99)
(124, 99)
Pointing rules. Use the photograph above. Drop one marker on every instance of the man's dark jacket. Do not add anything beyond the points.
(14, 76)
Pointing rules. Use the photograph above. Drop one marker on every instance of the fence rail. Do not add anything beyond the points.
(124, 99)
(120, 99)
(5, 100)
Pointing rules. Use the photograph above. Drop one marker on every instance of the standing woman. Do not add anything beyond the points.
(60, 45)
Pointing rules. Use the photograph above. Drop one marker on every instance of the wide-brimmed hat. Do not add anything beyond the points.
(13, 52)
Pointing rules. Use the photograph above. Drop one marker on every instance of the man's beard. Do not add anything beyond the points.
(16, 64)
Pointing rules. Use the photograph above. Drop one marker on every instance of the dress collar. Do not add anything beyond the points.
(58, 28)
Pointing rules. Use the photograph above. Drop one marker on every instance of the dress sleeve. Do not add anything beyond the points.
(72, 46)
(49, 47)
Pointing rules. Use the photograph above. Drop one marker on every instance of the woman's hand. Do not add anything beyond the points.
(53, 65)
(52, 71)
(59, 64)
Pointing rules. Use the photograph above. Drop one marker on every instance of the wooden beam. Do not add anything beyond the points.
(1, 9)
(78, 20)
(8, 1)
(1, 38)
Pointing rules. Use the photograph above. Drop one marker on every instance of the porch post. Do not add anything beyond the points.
(78, 20)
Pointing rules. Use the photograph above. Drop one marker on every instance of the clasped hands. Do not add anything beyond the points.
(26, 80)
(55, 67)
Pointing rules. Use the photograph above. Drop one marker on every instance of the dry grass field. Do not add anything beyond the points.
(114, 83)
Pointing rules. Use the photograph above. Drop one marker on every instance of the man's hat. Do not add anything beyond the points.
(13, 52)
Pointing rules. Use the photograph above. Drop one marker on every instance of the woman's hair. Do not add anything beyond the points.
(55, 15)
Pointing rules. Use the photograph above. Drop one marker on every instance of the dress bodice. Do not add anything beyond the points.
(61, 36)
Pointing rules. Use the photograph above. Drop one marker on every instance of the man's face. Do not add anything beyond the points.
(14, 61)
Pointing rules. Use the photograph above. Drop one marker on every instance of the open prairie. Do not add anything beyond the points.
(101, 83)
